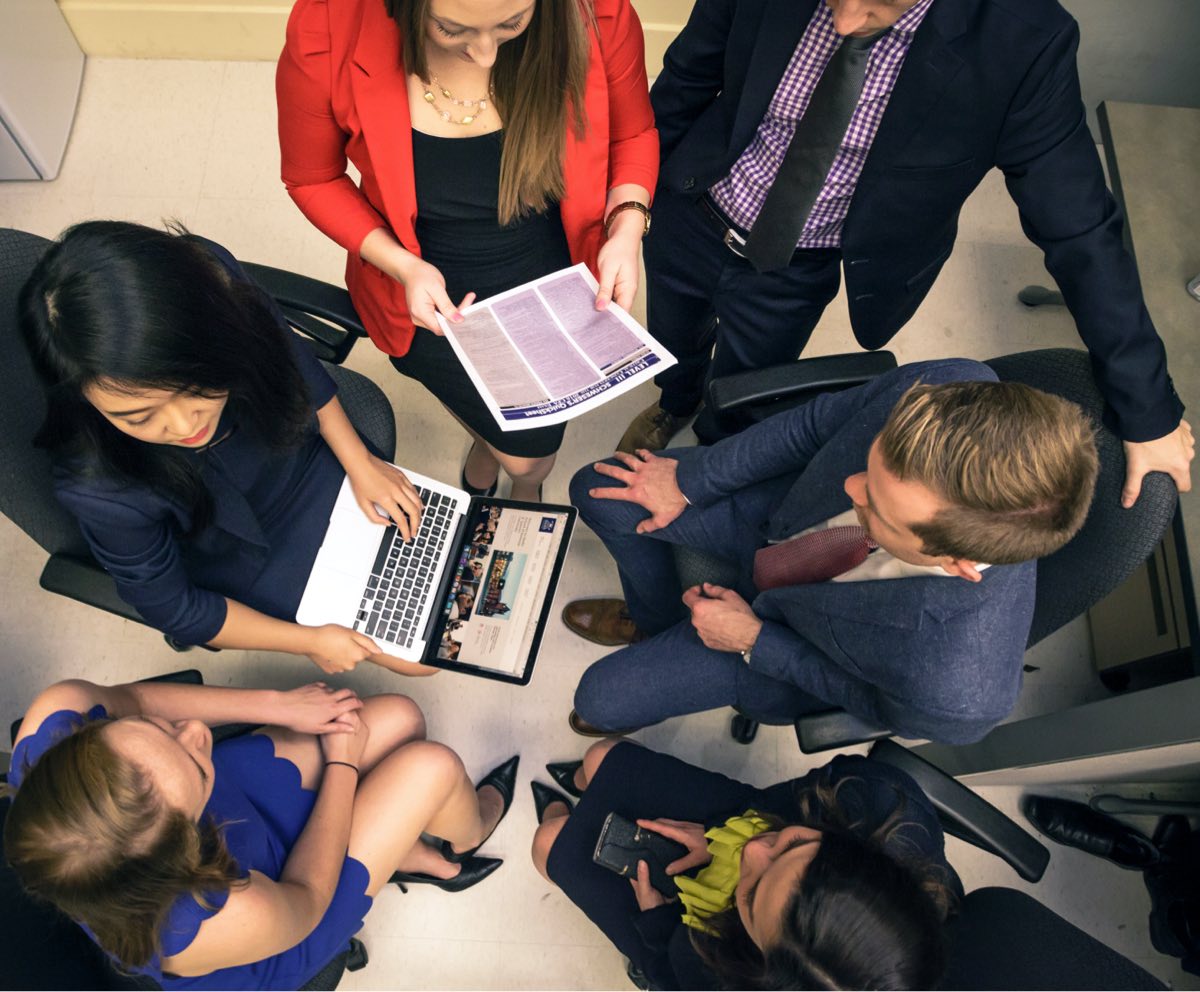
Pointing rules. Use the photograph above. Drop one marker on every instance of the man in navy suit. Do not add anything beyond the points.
(952, 89)
(952, 482)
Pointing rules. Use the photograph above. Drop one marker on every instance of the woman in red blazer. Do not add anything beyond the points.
(496, 140)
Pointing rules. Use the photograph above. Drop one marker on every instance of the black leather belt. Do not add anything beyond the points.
(732, 237)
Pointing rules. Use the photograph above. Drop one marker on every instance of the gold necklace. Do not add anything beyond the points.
(480, 105)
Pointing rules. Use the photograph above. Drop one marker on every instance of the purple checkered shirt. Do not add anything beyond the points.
(741, 194)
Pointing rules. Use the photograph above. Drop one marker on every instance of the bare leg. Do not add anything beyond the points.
(484, 461)
(546, 834)
(420, 788)
(394, 721)
(527, 474)
(481, 467)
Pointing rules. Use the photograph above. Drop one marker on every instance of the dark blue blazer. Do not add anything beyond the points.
(987, 83)
(937, 657)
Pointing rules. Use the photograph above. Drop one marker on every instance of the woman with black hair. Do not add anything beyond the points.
(834, 880)
(197, 441)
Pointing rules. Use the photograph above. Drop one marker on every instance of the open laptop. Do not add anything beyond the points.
(470, 592)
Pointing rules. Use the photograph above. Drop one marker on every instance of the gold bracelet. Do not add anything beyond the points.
(628, 205)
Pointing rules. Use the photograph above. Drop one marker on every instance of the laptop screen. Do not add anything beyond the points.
(500, 593)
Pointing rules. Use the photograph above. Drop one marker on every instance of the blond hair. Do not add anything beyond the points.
(1018, 467)
(88, 833)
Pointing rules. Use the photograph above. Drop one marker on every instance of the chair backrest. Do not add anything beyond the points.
(367, 407)
(1113, 541)
(26, 480)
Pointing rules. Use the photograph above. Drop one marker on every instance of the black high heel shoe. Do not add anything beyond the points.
(543, 796)
(475, 490)
(563, 773)
(503, 779)
(474, 870)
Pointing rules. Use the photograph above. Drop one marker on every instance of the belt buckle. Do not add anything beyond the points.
(731, 239)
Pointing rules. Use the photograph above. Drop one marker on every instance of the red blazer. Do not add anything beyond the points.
(342, 92)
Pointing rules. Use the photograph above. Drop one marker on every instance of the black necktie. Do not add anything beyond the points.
(772, 239)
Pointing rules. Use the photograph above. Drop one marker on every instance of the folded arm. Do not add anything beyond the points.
(310, 709)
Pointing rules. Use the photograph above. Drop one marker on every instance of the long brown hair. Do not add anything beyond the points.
(862, 917)
(538, 83)
(88, 833)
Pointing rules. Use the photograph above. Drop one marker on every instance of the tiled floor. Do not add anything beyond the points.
(195, 142)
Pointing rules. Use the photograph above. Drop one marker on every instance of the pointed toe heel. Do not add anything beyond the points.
(474, 871)
(543, 796)
(503, 779)
(563, 773)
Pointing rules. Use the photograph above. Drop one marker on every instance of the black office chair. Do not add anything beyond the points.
(43, 949)
(1001, 938)
(318, 311)
(1111, 545)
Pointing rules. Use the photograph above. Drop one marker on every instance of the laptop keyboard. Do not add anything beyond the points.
(404, 573)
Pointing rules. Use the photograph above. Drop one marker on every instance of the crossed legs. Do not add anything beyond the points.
(408, 786)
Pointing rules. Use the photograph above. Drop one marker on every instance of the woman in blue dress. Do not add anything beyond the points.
(246, 865)
(197, 440)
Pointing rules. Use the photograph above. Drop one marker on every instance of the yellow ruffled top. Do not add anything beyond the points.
(711, 891)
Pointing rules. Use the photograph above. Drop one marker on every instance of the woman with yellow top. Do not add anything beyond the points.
(834, 880)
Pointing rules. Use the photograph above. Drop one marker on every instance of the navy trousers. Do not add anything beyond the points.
(697, 288)
(672, 672)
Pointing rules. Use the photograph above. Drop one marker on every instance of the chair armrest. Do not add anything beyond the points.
(968, 816)
(835, 728)
(86, 582)
(317, 310)
(799, 381)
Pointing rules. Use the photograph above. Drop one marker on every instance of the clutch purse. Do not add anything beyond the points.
(622, 844)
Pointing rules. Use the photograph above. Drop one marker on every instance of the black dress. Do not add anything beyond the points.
(457, 183)
(637, 782)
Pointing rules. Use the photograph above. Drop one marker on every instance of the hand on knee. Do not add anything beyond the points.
(393, 717)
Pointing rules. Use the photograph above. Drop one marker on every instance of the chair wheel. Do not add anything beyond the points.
(356, 957)
(742, 729)
(175, 645)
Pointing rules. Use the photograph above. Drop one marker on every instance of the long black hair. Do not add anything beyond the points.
(128, 306)
(862, 917)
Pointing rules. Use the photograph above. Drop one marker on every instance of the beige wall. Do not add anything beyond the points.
(253, 29)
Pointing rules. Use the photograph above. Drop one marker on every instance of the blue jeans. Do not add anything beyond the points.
(672, 672)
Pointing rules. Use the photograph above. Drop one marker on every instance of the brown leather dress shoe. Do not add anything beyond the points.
(585, 729)
(602, 621)
(653, 428)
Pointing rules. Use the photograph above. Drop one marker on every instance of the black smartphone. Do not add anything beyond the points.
(622, 844)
